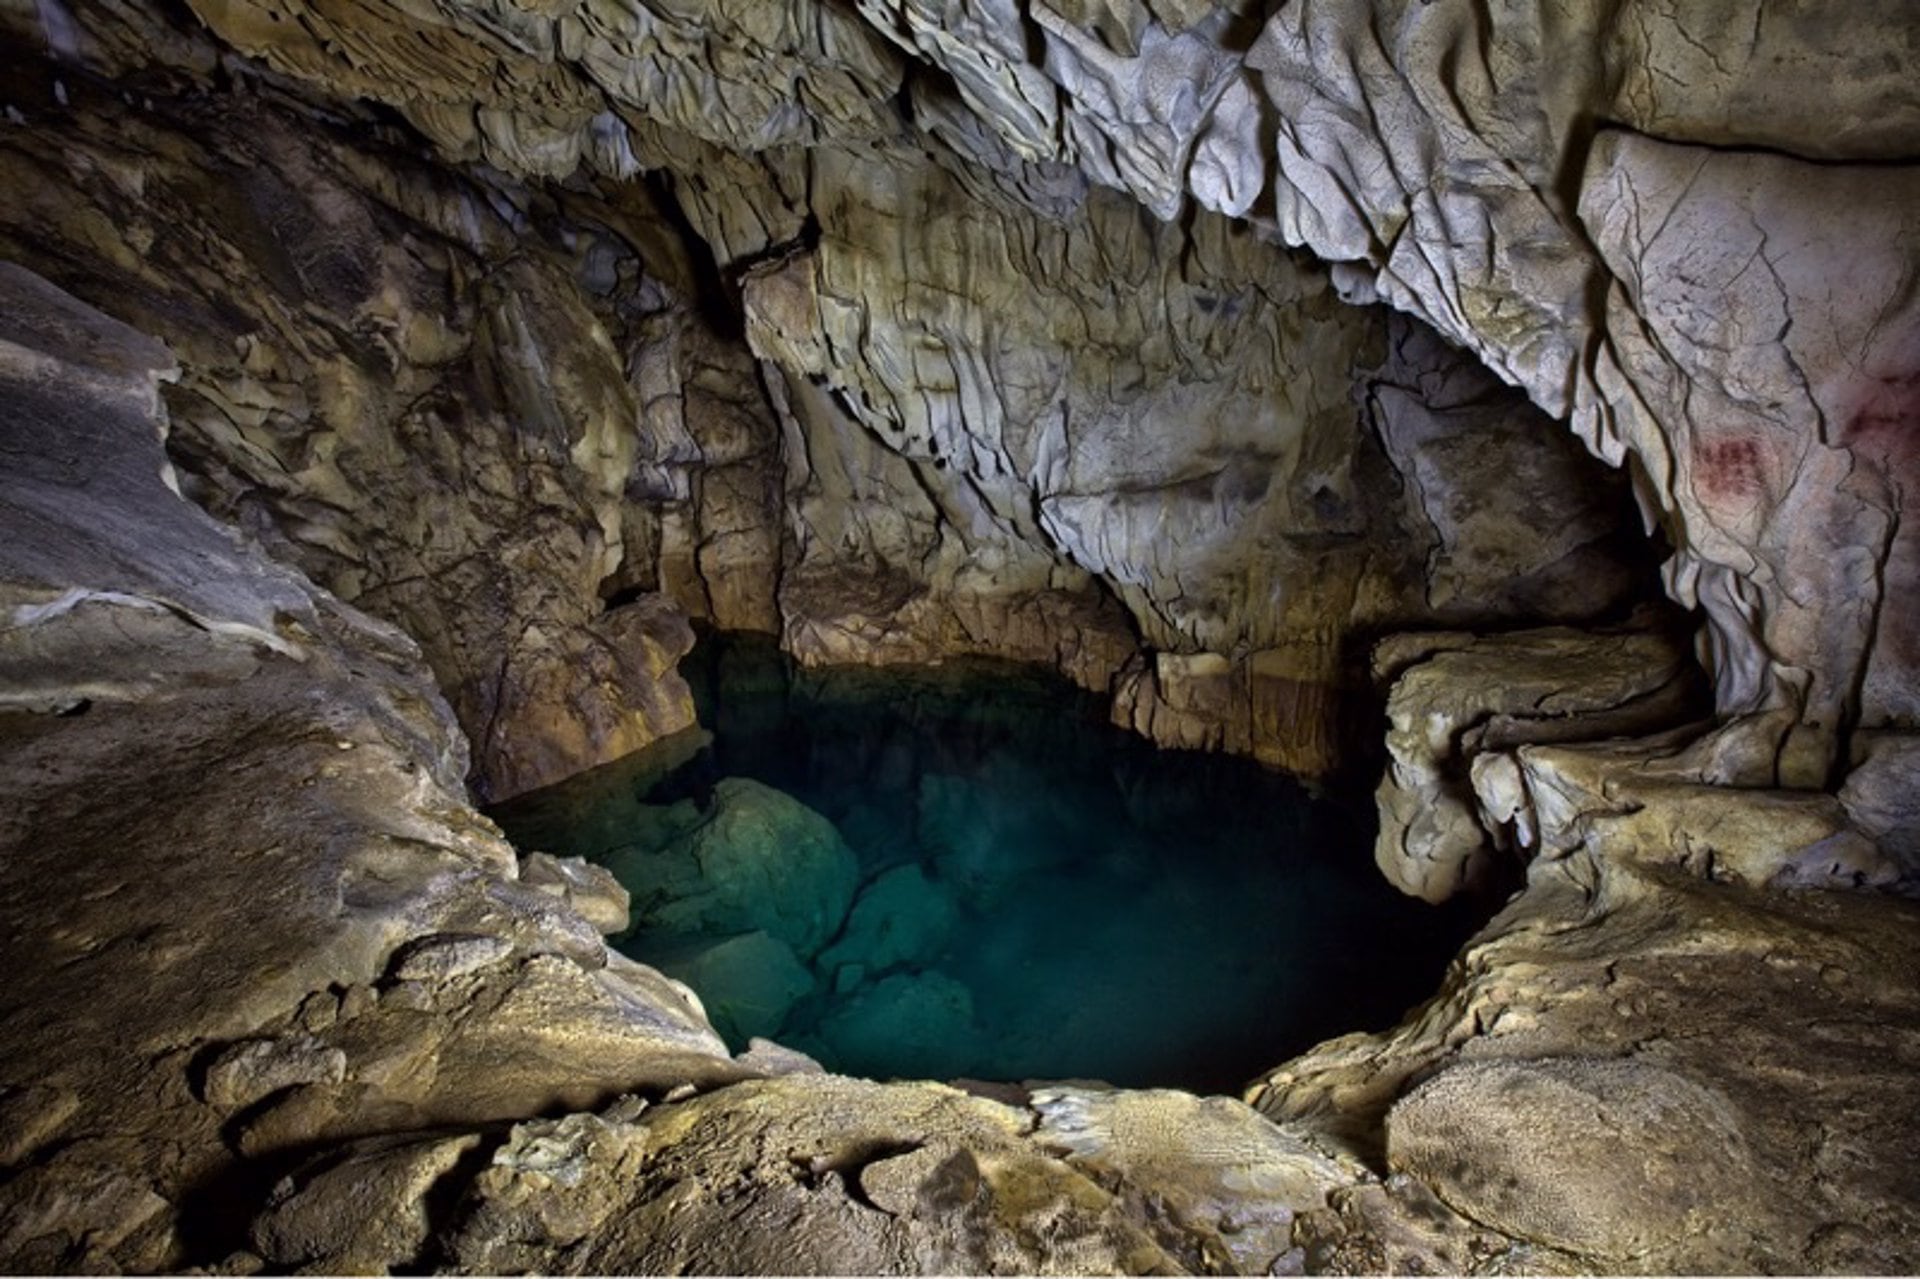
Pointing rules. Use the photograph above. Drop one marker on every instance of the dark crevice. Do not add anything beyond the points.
(1902, 160)
(613, 597)
(716, 296)
(443, 1203)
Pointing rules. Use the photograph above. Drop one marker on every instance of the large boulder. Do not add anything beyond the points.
(747, 983)
(752, 859)
(1616, 1199)
(902, 917)
(920, 1023)
(798, 1175)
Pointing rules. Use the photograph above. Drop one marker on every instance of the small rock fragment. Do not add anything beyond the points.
(30, 1117)
(365, 1214)
(591, 890)
(259, 1068)
(626, 1110)
(777, 1059)
(928, 1181)
(357, 1002)
(319, 1011)
(447, 955)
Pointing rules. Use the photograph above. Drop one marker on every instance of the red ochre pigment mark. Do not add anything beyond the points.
(1884, 432)
(1886, 425)
(1728, 470)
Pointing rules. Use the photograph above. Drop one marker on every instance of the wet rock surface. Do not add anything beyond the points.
(751, 859)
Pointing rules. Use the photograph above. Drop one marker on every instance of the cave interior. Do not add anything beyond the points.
(1006, 636)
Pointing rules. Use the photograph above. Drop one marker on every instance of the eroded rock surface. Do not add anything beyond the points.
(911, 329)
(433, 394)
(1459, 699)
(1634, 1018)
(1446, 157)
(271, 844)
(993, 410)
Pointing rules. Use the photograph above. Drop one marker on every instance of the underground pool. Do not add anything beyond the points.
(966, 872)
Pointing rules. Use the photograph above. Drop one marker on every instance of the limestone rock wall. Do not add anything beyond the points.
(247, 905)
(1448, 158)
(1016, 416)
(278, 997)
(1446, 161)
(1524, 181)
(1009, 401)
(540, 89)
(480, 411)
(1006, 405)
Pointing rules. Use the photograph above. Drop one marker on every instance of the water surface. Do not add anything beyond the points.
(966, 872)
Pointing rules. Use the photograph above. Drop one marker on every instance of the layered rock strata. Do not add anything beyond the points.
(1463, 704)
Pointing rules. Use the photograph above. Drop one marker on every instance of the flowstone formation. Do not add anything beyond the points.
(1447, 158)
(388, 385)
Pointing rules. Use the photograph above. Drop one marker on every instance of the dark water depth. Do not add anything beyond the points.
(965, 871)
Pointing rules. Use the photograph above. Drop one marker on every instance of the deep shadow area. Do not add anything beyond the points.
(1004, 886)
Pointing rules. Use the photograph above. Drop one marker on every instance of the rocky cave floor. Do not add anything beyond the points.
(373, 420)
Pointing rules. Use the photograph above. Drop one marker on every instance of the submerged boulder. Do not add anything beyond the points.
(902, 917)
(754, 859)
(992, 825)
(747, 983)
(910, 1019)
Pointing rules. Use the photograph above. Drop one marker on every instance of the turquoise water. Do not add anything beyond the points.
(965, 872)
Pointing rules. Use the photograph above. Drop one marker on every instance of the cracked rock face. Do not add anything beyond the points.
(410, 390)
(1444, 156)
(1002, 412)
